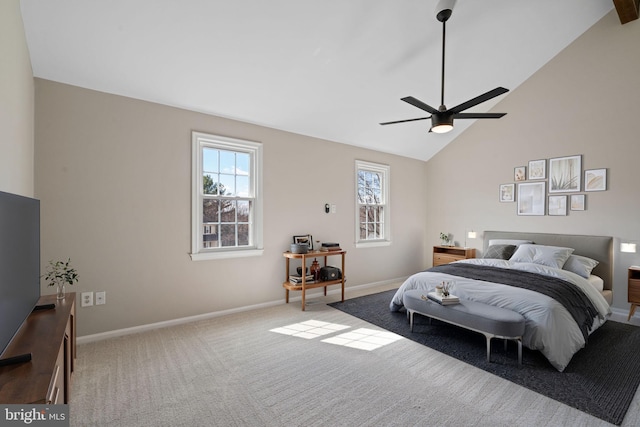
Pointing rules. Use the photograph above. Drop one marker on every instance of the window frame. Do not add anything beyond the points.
(385, 171)
(199, 141)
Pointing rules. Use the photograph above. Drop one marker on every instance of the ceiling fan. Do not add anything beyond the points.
(442, 118)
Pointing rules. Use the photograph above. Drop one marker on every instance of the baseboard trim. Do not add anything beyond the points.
(174, 322)
(620, 315)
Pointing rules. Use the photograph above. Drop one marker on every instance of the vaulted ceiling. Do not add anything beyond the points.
(331, 69)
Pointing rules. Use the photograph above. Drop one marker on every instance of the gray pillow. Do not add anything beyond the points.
(581, 265)
(551, 256)
(500, 251)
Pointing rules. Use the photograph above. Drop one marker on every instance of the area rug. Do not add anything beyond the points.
(601, 379)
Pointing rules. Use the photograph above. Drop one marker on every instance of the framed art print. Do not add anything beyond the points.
(531, 198)
(564, 174)
(595, 180)
(537, 169)
(306, 238)
(519, 173)
(557, 205)
(577, 202)
(507, 192)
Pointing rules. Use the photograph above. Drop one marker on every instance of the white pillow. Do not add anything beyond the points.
(581, 265)
(597, 282)
(551, 256)
(513, 242)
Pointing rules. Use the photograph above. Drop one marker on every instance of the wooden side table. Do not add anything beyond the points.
(304, 285)
(447, 254)
(633, 289)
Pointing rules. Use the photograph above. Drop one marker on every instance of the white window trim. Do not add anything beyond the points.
(198, 253)
(386, 172)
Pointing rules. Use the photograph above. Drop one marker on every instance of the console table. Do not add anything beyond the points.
(304, 285)
(50, 336)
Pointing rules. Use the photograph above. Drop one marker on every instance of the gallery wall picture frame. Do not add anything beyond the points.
(531, 198)
(578, 202)
(595, 180)
(304, 238)
(537, 169)
(507, 192)
(520, 173)
(557, 205)
(565, 174)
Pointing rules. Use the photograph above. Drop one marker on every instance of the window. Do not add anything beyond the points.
(227, 205)
(372, 204)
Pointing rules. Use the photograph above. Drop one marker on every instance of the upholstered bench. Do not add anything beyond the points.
(492, 322)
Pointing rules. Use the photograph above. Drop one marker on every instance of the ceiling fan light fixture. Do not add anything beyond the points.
(442, 128)
(441, 123)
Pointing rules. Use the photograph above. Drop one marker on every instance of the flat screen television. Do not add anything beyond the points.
(19, 263)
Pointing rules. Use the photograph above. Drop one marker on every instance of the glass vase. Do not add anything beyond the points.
(60, 293)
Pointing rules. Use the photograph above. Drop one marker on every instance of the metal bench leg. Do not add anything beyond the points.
(488, 348)
(411, 320)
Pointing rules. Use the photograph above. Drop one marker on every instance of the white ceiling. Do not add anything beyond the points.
(331, 69)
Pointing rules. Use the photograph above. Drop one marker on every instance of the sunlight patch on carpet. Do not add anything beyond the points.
(364, 339)
(310, 329)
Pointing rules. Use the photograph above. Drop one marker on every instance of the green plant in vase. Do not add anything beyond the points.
(60, 273)
(444, 237)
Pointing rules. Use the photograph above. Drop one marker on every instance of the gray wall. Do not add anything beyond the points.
(16, 103)
(585, 101)
(114, 178)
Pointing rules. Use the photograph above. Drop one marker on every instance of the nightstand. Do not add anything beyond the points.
(633, 289)
(447, 254)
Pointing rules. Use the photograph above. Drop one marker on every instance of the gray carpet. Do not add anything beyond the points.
(234, 371)
(601, 379)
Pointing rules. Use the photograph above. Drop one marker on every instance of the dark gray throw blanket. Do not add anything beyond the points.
(570, 296)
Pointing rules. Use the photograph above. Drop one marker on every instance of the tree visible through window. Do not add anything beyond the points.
(225, 212)
(372, 207)
(225, 180)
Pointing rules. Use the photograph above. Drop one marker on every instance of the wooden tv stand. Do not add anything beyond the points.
(50, 336)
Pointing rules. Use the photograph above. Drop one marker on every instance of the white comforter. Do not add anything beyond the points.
(549, 327)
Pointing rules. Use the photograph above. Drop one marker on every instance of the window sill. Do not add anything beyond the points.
(373, 243)
(204, 256)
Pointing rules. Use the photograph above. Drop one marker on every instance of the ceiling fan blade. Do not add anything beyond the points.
(478, 99)
(421, 105)
(403, 121)
(478, 115)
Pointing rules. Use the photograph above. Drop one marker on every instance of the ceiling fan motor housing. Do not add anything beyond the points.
(441, 119)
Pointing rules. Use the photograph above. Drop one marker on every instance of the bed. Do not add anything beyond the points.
(561, 284)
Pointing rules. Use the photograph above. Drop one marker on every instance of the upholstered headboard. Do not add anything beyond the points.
(599, 248)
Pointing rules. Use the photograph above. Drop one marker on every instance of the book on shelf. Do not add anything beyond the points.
(296, 280)
(330, 245)
(308, 282)
(442, 300)
(330, 249)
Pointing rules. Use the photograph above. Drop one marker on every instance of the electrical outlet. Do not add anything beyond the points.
(333, 208)
(101, 298)
(86, 299)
